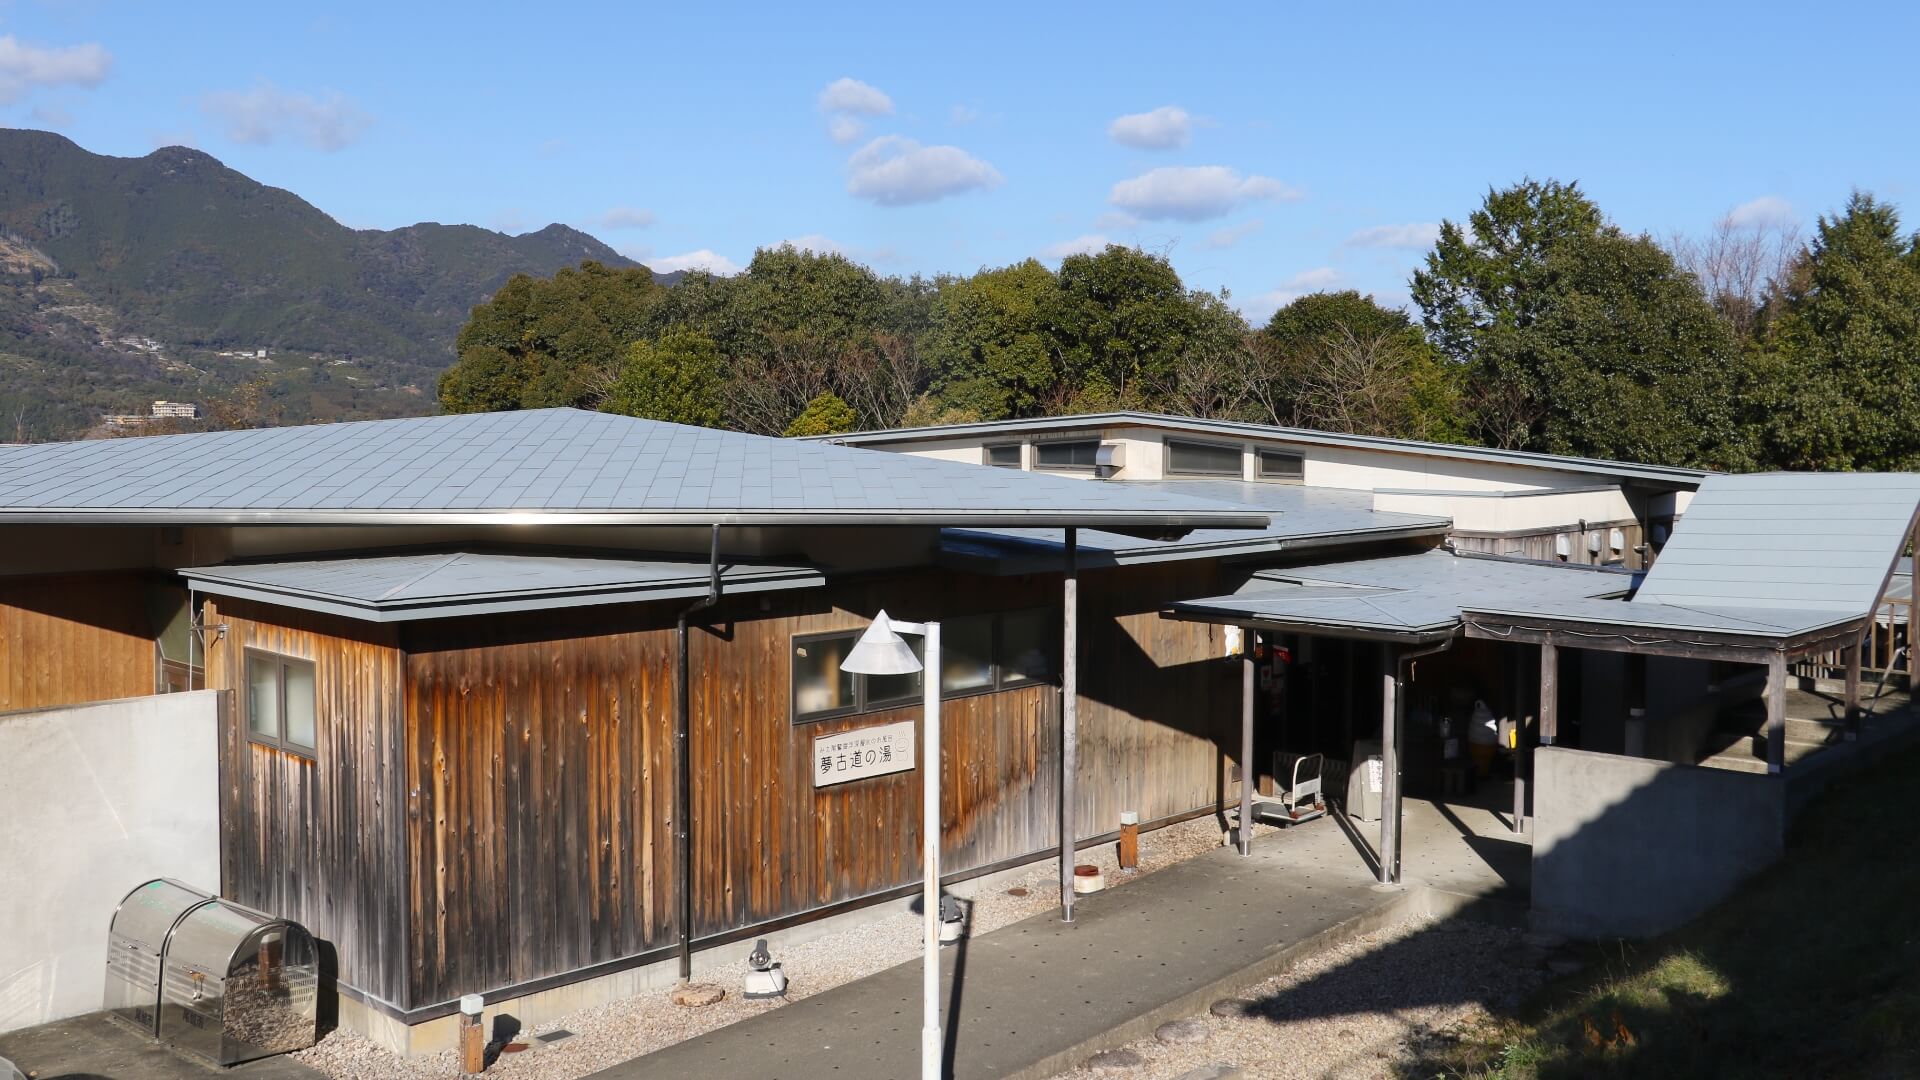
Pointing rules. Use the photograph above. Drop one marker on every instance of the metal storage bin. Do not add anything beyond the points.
(238, 984)
(136, 942)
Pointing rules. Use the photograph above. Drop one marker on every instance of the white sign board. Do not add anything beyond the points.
(862, 752)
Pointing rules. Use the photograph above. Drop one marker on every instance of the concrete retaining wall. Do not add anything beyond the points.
(95, 799)
(1630, 847)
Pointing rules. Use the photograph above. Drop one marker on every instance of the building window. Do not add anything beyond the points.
(979, 654)
(1276, 465)
(1202, 459)
(1004, 456)
(281, 703)
(1066, 455)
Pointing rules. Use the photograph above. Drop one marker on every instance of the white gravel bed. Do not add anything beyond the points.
(620, 1030)
(1356, 1011)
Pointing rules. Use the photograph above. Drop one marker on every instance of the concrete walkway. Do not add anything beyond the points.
(91, 1047)
(1037, 997)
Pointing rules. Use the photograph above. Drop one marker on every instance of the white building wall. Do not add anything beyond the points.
(94, 800)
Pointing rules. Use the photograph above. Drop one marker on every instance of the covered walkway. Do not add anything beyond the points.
(1039, 996)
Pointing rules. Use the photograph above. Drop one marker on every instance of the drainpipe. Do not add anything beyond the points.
(683, 766)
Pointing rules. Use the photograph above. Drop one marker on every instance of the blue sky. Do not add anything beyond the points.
(1268, 149)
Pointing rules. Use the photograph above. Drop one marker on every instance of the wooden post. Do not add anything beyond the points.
(473, 1041)
(1389, 766)
(1776, 712)
(1635, 734)
(1069, 719)
(1248, 773)
(1129, 840)
(1549, 694)
(1853, 689)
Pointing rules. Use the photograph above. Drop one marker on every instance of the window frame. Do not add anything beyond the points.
(1239, 451)
(282, 662)
(1019, 455)
(863, 704)
(1260, 472)
(1042, 446)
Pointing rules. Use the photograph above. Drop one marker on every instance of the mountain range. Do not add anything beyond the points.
(128, 279)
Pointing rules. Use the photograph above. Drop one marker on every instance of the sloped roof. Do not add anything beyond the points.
(548, 466)
(423, 585)
(1302, 517)
(1807, 541)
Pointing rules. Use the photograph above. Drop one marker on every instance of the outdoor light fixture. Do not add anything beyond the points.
(764, 977)
(881, 651)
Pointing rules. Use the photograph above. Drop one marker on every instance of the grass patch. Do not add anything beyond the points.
(1811, 970)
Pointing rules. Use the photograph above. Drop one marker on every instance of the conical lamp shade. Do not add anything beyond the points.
(880, 651)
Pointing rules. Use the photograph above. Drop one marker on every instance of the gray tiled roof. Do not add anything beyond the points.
(420, 585)
(1398, 595)
(1303, 517)
(549, 465)
(1810, 541)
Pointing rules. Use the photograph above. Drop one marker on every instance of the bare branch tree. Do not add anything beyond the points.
(881, 378)
(1360, 386)
(1740, 266)
(766, 390)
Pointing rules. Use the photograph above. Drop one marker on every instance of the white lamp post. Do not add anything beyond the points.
(881, 651)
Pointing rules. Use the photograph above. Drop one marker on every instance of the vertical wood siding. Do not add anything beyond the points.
(68, 639)
(319, 840)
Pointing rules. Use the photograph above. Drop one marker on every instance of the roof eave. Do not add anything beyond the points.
(1154, 521)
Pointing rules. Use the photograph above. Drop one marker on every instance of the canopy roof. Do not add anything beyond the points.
(551, 466)
(431, 585)
(1302, 518)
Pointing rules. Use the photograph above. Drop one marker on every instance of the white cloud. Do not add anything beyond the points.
(266, 113)
(1319, 279)
(854, 96)
(1116, 219)
(821, 244)
(695, 260)
(51, 117)
(623, 217)
(1090, 244)
(1165, 128)
(894, 170)
(1195, 192)
(25, 68)
(845, 129)
(962, 115)
(1221, 239)
(1763, 211)
(1419, 235)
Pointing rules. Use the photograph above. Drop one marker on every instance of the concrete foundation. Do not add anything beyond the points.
(1630, 847)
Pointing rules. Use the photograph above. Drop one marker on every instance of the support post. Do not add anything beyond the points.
(1248, 773)
(1522, 756)
(1776, 713)
(473, 1038)
(1853, 690)
(1069, 718)
(1636, 729)
(1549, 694)
(931, 1043)
(1389, 766)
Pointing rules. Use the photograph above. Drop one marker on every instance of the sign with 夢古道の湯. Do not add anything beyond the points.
(862, 752)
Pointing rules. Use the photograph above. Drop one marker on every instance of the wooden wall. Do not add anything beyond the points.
(320, 840)
(540, 838)
(67, 639)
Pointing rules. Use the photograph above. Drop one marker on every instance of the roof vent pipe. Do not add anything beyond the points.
(1109, 459)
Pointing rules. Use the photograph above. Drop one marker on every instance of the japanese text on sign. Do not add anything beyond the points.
(863, 752)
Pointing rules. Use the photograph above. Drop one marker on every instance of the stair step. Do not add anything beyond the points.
(1735, 763)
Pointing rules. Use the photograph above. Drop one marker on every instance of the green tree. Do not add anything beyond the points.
(1125, 320)
(544, 342)
(1576, 338)
(993, 344)
(1311, 348)
(1839, 383)
(824, 415)
(678, 379)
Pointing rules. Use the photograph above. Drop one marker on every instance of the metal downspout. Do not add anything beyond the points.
(682, 764)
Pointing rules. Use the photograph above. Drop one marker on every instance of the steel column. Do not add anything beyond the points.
(1069, 718)
(1549, 693)
(1248, 774)
(1389, 765)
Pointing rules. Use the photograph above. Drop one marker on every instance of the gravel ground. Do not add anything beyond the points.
(1356, 1011)
(625, 1029)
